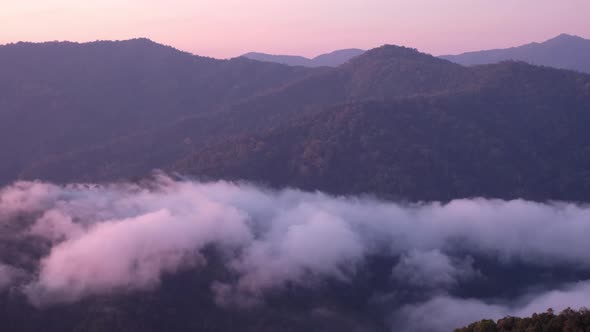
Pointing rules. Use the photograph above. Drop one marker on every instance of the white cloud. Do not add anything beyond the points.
(124, 237)
(432, 269)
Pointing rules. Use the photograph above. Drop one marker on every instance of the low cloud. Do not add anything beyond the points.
(126, 237)
(444, 313)
(432, 269)
(9, 275)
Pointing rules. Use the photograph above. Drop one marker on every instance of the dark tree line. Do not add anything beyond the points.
(568, 320)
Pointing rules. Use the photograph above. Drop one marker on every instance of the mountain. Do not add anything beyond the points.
(386, 72)
(59, 97)
(495, 141)
(393, 122)
(336, 58)
(564, 51)
(332, 59)
(290, 60)
(503, 130)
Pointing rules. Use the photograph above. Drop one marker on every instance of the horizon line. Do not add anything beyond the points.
(277, 54)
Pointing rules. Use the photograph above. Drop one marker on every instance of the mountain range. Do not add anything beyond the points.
(332, 59)
(564, 51)
(393, 122)
(62, 97)
(403, 131)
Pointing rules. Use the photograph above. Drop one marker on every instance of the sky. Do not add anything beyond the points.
(228, 28)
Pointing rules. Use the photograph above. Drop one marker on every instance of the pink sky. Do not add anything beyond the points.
(228, 28)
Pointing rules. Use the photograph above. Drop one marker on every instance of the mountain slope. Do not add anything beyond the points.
(520, 136)
(332, 59)
(564, 51)
(386, 72)
(60, 97)
(394, 122)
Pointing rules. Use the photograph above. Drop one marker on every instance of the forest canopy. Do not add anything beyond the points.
(568, 320)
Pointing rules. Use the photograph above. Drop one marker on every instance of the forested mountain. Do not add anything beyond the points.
(58, 97)
(332, 59)
(486, 143)
(381, 73)
(564, 51)
(393, 122)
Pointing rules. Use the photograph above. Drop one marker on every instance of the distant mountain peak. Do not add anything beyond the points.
(564, 51)
(392, 50)
(138, 41)
(342, 51)
(567, 36)
(388, 53)
(564, 38)
(142, 39)
(331, 59)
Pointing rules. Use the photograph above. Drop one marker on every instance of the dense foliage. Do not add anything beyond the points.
(566, 321)
(490, 143)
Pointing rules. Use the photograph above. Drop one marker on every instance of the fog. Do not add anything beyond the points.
(124, 237)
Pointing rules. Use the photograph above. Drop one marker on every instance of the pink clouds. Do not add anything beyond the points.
(121, 238)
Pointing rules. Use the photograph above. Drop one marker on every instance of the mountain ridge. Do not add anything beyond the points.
(109, 89)
(383, 89)
(563, 51)
(331, 59)
(147, 118)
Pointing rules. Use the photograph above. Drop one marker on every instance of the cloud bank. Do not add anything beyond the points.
(121, 238)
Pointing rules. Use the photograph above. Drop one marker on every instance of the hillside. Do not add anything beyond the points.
(485, 143)
(386, 72)
(564, 51)
(393, 122)
(58, 97)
